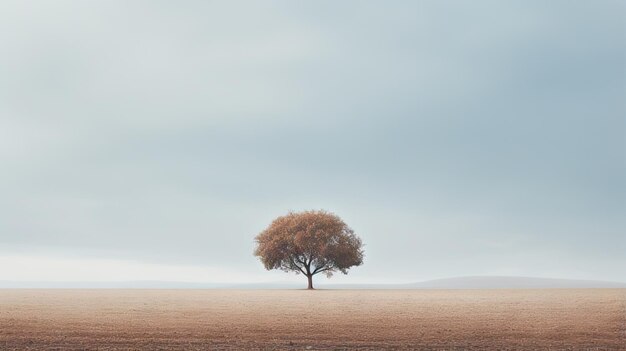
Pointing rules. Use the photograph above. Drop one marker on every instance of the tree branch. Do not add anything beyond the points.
(317, 270)
(295, 265)
(299, 260)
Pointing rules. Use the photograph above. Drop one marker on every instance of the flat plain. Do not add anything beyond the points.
(109, 319)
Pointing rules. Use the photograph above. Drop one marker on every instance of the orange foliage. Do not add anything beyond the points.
(309, 242)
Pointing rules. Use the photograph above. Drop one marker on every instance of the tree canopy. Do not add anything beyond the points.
(310, 243)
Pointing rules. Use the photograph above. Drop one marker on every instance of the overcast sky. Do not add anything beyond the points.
(155, 139)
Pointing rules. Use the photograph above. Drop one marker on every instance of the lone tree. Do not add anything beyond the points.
(309, 242)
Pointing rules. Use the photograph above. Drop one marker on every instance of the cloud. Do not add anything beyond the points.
(482, 136)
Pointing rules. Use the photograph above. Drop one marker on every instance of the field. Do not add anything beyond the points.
(558, 319)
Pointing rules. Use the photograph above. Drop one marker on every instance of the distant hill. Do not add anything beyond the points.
(487, 282)
(475, 282)
(504, 282)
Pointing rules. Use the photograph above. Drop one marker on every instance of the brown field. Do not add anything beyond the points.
(559, 319)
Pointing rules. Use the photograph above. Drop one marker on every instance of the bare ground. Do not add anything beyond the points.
(558, 319)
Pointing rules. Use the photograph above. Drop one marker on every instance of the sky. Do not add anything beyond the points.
(152, 140)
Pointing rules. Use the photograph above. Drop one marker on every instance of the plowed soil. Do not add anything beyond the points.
(559, 319)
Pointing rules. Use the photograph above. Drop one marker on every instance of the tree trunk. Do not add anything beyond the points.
(310, 277)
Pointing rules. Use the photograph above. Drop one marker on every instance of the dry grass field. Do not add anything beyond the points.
(559, 319)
